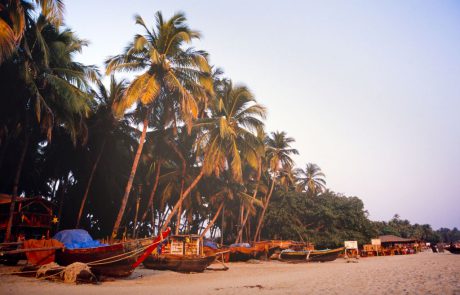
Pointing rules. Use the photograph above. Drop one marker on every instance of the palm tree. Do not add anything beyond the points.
(279, 151)
(254, 182)
(227, 138)
(103, 126)
(288, 178)
(311, 179)
(174, 77)
(56, 92)
(15, 18)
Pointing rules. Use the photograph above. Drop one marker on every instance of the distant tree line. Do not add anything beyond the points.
(329, 219)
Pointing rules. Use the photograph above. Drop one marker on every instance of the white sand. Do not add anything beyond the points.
(424, 273)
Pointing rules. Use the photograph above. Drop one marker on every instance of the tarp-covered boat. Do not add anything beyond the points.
(117, 260)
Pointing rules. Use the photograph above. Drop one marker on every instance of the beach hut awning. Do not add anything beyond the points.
(394, 239)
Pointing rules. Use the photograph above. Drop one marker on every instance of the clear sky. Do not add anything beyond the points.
(370, 90)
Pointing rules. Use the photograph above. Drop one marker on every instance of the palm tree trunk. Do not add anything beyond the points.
(162, 217)
(222, 226)
(16, 186)
(136, 214)
(240, 232)
(152, 192)
(179, 211)
(261, 218)
(4, 149)
(124, 200)
(90, 180)
(179, 203)
(153, 219)
(248, 230)
(239, 238)
(213, 220)
(240, 221)
(184, 166)
(61, 189)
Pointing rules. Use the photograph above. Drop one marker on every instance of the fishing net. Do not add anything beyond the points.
(72, 271)
(41, 272)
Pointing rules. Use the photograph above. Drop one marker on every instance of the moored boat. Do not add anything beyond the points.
(324, 255)
(241, 252)
(290, 255)
(179, 263)
(117, 260)
(181, 253)
(452, 249)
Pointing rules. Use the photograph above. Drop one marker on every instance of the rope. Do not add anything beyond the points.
(44, 268)
(123, 256)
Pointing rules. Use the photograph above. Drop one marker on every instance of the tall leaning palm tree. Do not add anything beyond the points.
(173, 77)
(311, 179)
(279, 151)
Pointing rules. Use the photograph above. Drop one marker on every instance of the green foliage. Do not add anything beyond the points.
(448, 235)
(197, 122)
(326, 220)
(403, 228)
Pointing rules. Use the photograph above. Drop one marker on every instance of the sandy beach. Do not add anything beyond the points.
(424, 273)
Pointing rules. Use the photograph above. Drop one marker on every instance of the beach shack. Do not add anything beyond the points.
(32, 217)
(391, 245)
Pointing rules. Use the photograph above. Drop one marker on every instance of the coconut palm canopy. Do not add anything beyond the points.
(176, 145)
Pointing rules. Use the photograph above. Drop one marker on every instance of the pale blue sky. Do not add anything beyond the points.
(370, 90)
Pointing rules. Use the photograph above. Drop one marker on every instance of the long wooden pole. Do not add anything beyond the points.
(17, 251)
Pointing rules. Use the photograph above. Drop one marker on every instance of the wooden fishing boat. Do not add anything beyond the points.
(324, 255)
(222, 253)
(290, 255)
(241, 253)
(182, 253)
(453, 249)
(117, 260)
(179, 263)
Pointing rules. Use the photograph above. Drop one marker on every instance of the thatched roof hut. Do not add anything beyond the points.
(391, 239)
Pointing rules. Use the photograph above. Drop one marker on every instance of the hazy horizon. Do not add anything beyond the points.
(369, 90)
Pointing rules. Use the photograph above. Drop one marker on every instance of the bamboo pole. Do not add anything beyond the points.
(17, 251)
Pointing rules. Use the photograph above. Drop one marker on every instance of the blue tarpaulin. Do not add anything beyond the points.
(77, 239)
(210, 244)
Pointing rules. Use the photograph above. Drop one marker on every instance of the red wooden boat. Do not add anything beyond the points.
(182, 253)
(117, 260)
